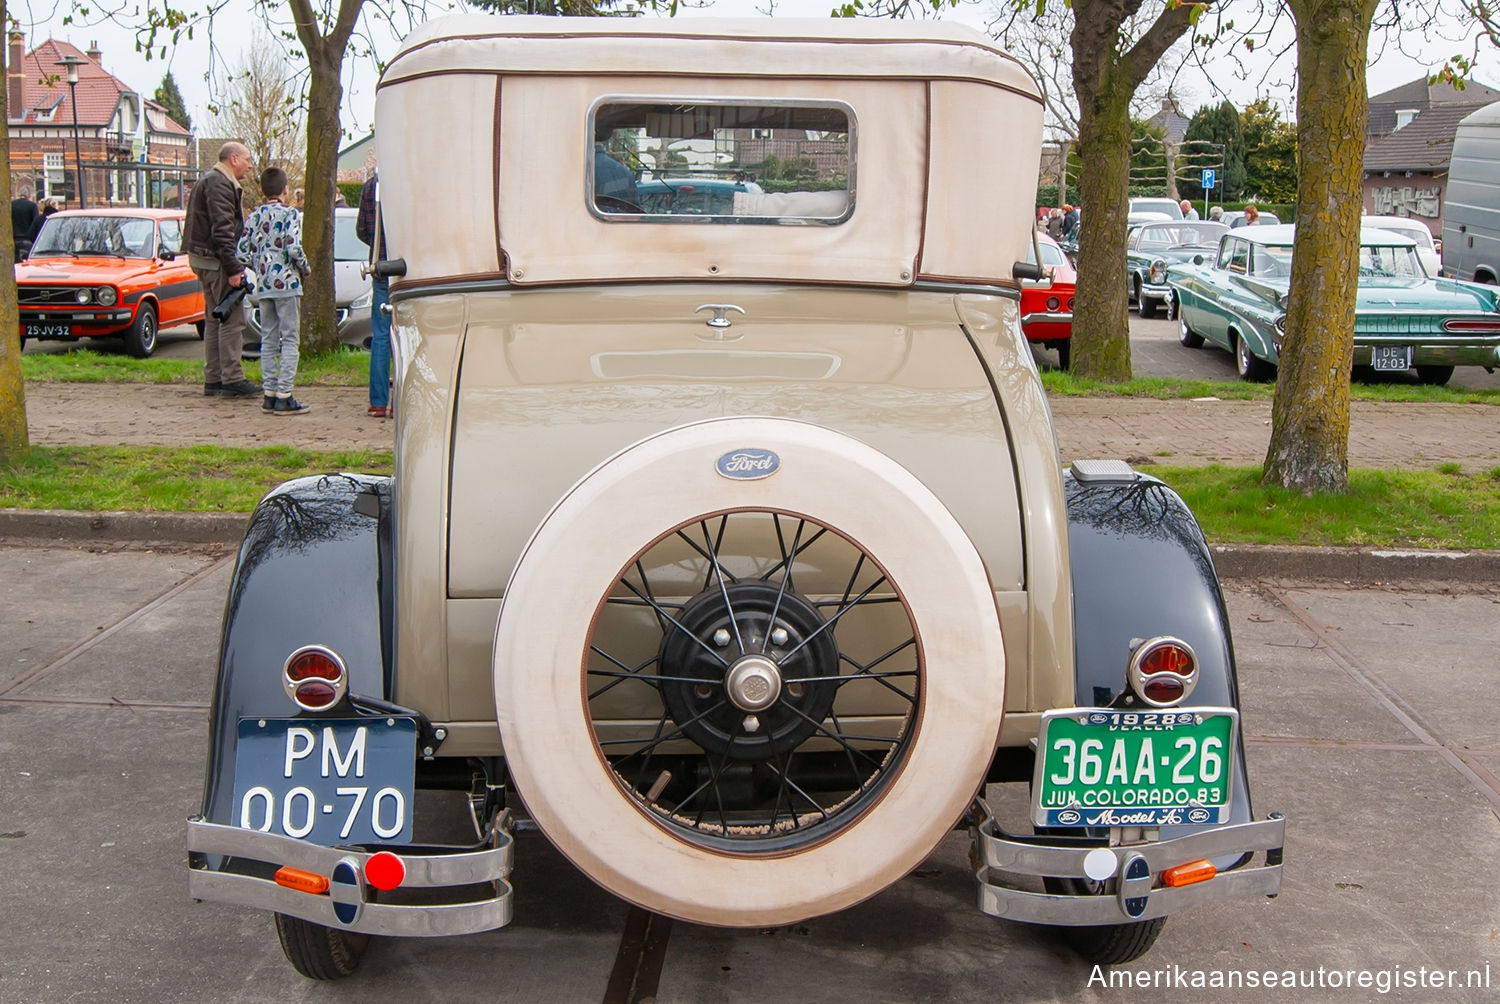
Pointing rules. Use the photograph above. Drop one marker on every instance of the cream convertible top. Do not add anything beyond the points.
(495, 113)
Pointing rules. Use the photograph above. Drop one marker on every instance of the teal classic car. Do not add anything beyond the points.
(1403, 319)
(1151, 247)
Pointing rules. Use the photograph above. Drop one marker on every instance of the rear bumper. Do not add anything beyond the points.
(1008, 861)
(1427, 351)
(1047, 325)
(462, 889)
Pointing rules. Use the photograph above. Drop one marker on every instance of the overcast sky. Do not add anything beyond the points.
(190, 61)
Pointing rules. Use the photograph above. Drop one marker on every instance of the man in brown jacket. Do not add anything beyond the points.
(215, 217)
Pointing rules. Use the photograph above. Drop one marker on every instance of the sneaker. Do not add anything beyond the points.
(269, 404)
(291, 406)
(213, 389)
(241, 388)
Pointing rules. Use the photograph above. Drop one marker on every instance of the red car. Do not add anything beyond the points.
(108, 273)
(1047, 306)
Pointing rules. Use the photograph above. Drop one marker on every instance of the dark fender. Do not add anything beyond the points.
(1141, 568)
(313, 569)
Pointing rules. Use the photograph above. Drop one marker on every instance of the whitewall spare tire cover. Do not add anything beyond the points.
(748, 671)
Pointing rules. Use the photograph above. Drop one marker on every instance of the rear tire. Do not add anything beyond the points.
(1106, 944)
(140, 340)
(1065, 355)
(1434, 376)
(318, 952)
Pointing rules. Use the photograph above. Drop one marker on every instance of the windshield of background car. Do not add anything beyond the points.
(1420, 234)
(1389, 263)
(122, 236)
(722, 161)
(346, 243)
(1160, 238)
(1051, 255)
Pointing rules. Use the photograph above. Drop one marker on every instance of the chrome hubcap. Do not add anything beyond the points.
(753, 683)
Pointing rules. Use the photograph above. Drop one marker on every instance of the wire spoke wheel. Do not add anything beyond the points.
(752, 681)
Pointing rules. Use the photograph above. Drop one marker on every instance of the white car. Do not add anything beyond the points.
(1168, 207)
(1417, 231)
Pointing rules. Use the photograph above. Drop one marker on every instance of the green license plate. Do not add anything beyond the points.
(1099, 767)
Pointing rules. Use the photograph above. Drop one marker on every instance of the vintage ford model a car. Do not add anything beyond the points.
(728, 549)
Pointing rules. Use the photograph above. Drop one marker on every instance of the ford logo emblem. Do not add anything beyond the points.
(1198, 815)
(748, 464)
(1068, 817)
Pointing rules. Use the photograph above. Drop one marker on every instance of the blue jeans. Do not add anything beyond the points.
(380, 346)
(280, 320)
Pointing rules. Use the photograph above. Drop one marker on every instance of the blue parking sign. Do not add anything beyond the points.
(1208, 177)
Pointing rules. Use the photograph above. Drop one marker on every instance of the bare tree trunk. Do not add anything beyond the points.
(1104, 80)
(325, 58)
(1101, 328)
(1309, 448)
(13, 442)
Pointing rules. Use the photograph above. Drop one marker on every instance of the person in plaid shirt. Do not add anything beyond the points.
(271, 246)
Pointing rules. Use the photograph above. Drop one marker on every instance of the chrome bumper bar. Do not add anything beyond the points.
(1427, 350)
(1046, 317)
(1004, 857)
(448, 877)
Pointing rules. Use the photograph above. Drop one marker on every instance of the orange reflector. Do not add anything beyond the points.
(1194, 871)
(296, 878)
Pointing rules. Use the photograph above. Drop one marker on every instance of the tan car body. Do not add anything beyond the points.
(844, 326)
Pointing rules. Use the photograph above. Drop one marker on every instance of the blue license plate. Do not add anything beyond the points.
(327, 781)
(1391, 357)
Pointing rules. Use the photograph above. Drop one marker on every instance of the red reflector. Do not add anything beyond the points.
(315, 695)
(1164, 691)
(1194, 871)
(385, 871)
(296, 878)
(1167, 659)
(1460, 324)
(312, 664)
(1053, 303)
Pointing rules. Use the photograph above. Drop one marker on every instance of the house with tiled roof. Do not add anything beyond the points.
(132, 151)
(1408, 144)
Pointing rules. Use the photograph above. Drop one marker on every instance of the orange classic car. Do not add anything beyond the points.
(108, 273)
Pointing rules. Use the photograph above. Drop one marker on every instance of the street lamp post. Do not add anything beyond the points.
(73, 63)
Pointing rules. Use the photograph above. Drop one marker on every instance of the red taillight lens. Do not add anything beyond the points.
(1053, 303)
(315, 695)
(1168, 659)
(315, 678)
(1163, 691)
(1163, 672)
(313, 664)
(1070, 304)
(1464, 324)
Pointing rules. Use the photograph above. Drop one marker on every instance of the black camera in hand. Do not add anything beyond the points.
(232, 299)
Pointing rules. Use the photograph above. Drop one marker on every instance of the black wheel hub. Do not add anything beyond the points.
(765, 642)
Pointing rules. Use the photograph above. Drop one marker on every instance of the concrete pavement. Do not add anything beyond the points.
(1360, 705)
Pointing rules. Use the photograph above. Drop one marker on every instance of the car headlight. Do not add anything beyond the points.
(105, 295)
(1281, 323)
(83, 294)
(363, 300)
(1158, 272)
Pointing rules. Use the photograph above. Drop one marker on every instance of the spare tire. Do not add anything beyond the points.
(748, 671)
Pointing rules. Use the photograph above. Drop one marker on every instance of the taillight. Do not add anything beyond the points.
(1070, 304)
(315, 678)
(1468, 324)
(1053, 303)
(1163, 671)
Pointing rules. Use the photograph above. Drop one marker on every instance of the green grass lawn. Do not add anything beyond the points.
(342, 369)
(167, 479)
(1164, 388)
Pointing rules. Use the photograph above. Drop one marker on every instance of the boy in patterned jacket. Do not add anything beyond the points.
(271, 247)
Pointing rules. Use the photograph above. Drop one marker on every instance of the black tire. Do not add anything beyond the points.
(1186, 335)
(1065, 354)
(1145, 305)
(318, 952)
(201, 327)
(1107, 944)
(1134, 295)
(140, 340)
(1251, 368)
(1434, 376)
